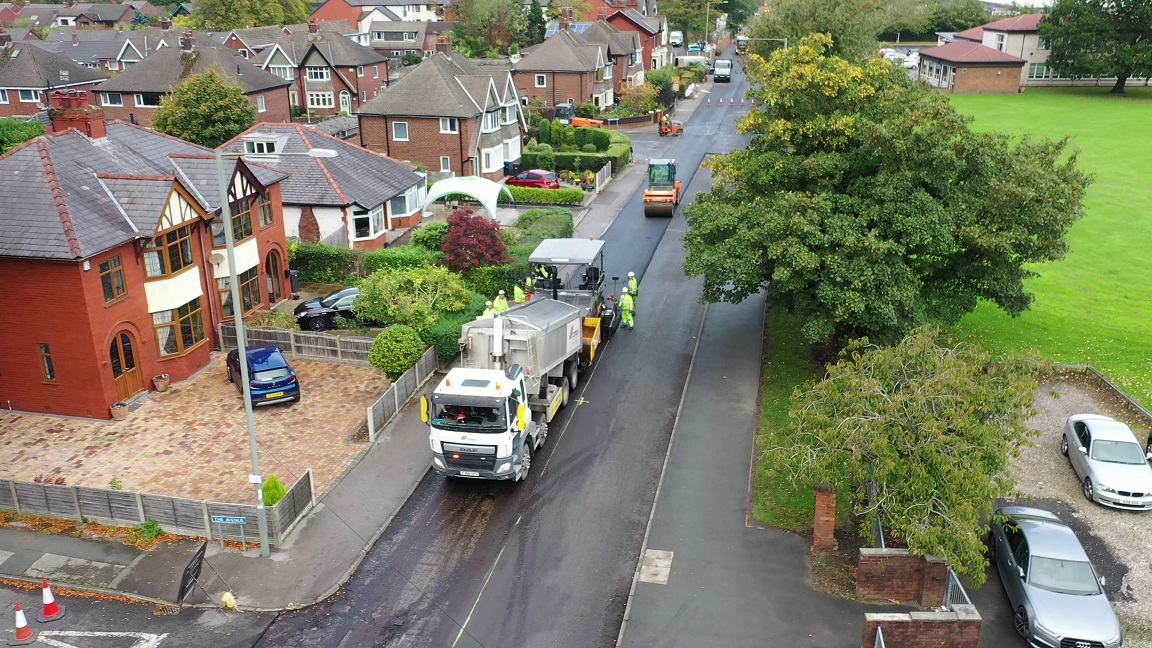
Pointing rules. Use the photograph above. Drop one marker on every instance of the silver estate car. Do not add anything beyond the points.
(1109, 461)
(1057, 599)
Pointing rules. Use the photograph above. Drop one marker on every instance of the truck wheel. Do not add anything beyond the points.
(573, 374)
(527, 462)
(565, 392)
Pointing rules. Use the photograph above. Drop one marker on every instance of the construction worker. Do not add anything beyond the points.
(518, 293)
(633, 285)
(627, 309)
(500, 303)
(488, 310)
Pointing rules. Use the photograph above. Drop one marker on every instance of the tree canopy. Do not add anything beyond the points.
(207, 109)
(484, 26)
(868, 206)
(14, 132)
(1104, 38)
(930, 426)
(225, 15)
(413, 297)
(851, 24)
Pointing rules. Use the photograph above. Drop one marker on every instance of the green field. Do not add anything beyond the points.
(1095, 305)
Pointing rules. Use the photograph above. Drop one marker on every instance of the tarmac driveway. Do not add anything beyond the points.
(192, 440)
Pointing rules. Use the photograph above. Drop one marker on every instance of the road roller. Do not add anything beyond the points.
(663, 192)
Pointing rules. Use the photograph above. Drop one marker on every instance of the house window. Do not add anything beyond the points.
(406, 202)
(241, 225)
(1041, 43)
(360, 70)
(111, 99)
(113, 65)
(168, 253)
(260, 147)
(29, 96)
(264, 207)
(449, 125)
(1000, 39)
(445, 163)
(510, 114)
(282, 71)
(112, 279)
(400, 131)
(396, 52)
(260, 107)
(375, 71)
(491, 121)
(368, 224)
(410, 36)
(378, 35)
(541, 81)
(243, 53)
(46, 365)
(3, 95)
(320, 100)
(316, 73)
(148, 100)
(249, 291)
(180, 329)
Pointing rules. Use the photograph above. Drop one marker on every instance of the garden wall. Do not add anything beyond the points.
(896, 575)
(959, 628)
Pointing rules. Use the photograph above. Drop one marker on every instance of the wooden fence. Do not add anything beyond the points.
(306, 344)
(404, 387)
(174, 514)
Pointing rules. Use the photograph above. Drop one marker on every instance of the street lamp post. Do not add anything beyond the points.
(707, 11)
(241, 341)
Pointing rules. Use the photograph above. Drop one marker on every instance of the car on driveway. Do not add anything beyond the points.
(320, 313)
(538, 178)
(271, 378)
(1110, 464)
(1057, 599)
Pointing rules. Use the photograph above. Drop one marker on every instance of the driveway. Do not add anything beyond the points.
(192, 440)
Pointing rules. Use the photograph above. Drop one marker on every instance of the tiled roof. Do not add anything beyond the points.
(142, 198)
(620, 43)
(337, 49)
(430, 89)
(164, 69)
(650, 24)
(1021, 23)
(561, 53)
(28, 66)
(976, 34)
(971, 53)
(355, 176)
(107, 12)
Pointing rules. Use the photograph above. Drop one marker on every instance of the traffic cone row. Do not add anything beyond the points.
(52, 611)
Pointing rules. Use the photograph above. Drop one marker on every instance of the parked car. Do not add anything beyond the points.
(695, 48)
(1057, 599)
(539, 178)
(271, 378)
(912, 61)
(320, 313)
(1108, 461)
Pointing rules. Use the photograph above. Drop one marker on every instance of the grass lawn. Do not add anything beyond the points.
(1094, 306)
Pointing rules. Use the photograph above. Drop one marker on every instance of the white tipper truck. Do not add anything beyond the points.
(518, 369)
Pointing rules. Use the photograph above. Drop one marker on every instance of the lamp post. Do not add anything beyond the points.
(707, 10)
(238, 316)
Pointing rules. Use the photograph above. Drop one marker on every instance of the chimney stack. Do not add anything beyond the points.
(72, 109)
(75, 37)
(165, 24)
(442, 45)
(186, 41)
(5, 37)
(313, 25)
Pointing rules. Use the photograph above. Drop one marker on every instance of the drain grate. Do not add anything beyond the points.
(165, 610)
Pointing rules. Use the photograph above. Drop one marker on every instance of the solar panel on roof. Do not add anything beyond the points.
(575, 28)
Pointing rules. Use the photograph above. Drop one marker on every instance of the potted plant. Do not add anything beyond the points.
(119, 410)
(161, 382)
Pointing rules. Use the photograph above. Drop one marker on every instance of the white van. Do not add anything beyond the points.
(675, 39)
(693, 59)
(723, 71)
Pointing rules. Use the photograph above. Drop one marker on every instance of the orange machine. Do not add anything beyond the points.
(663, 192)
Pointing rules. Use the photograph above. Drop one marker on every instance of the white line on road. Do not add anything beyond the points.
(143, 639)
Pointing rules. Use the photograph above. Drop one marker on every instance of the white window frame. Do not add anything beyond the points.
(491, 122)
(541, 81)
(113, 65)
(509, 115)
(138, 101)
(321, 100)
(493, 159)
(260, 147)
(377, 224)
(3, 96)
(397, 53)
(35, 96)
(445, 164)
(106, 99)
(1001, 42)
(318, 73)
(396, 135)
(449, 125)
(1041, 43)
(260, 106)
(408, 37)
(378, 35)
(286, 72)
(243, 53)
(410, 197)
(375, 71)
(359, 70)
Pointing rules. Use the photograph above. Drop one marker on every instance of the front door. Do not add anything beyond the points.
(126, 375)
(272, 270)
(346, 102)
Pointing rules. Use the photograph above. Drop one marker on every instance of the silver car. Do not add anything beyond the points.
(1108, 461)
(1056, 597)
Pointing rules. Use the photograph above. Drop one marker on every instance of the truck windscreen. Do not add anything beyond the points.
(468, 418)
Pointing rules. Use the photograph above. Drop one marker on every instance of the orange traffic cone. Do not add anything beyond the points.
(753, 101)
(24, 634)
(741, 101)
(731, 101)
(709, 101)
(52, 609)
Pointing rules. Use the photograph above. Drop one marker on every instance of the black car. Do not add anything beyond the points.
(320, 313)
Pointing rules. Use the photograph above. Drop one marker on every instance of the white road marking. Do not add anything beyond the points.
(656, 566)
(143, 639)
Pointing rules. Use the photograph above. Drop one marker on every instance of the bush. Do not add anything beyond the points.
(145, 533)
(430, 236)
(490, 280)
(275, 319)
(444, 335)
(472, 241)
(396, 349)
(588, 148)
(401, 257)
(602, 139)
(561, 196)
(544, 160)
(545, 135)
(325, 263)
(556, 134)
(272, 490)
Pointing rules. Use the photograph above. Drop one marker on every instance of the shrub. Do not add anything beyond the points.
(275, 319)
(430, 236)
(490, 280)
(603, 139)
(582, 136)
(561, 196)
(400, 257)
(472, 241)
(325, 263)
(414, 297)
(556, 134)
(570, 135)
(444, 335)
(145, 533)
(639, 99)
(588, 148)
(543, 160)
(272, 490)
(395, 350)
(348, 324)
(545, 135)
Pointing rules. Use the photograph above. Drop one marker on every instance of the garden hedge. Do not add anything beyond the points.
(562, 196)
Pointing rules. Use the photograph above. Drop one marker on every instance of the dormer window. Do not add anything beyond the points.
(260, 147)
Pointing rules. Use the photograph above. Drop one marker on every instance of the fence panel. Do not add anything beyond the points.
(112, 505)
(232, 531)
(406, 386)
(7, 501)
(47, 499)
(175, 514)
(316, 345)
(289, 510)
(603, 176)
(355, 349)
(258, 335)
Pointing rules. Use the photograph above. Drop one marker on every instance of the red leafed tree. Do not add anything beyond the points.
(472, 241)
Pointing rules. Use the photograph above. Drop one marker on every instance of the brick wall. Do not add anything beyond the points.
(338, 10)
(895, 574)
(824, 527)
(987, 80)
(425, 142)
(276, 107)
(959, 628)
(560, 86)
(17, 108)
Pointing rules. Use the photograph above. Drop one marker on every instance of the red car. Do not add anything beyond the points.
(538, 178)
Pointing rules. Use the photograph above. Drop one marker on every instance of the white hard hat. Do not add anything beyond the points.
(631, 274)
(501, 292)
(625, 290)
(487, 303)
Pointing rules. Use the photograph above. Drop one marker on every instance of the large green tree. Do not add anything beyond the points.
(485, 25)
(414, 296)
(1104, 38)
(225, 15)
(851, 24)
(904, 18)
(207, 109)
(868, 206)
(537, 25)
(959, 15)
(930, 425)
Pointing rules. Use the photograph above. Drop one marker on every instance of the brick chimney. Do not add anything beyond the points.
(186, 41)
(442, 45)
(165, 24)
(72, 109)
(313, 25)
(75, 37)
(5, 37)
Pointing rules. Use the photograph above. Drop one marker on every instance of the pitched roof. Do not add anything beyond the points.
(337, 49)
(970, 53)
(108, 12)
(1021, 23)
(355, 176)
(164, 69)
(561, 53)
(620, 43)
(650, 24)
(24, 66)
(975, 34)
(433, 88)
(41, 15)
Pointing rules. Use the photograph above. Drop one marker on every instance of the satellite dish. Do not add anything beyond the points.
(216, 258)
(40, 106)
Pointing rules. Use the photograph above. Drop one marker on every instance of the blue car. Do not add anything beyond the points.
(272, 379)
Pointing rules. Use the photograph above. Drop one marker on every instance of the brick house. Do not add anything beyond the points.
(362, 13)
(965, 67)
(108, 50)
(114, 246)
(565, 69)
(355, 200)
(27, 73)
(450, 115)
(104, 16)
(135, 93)
(624, 51)
(249, 42)
(653, 34)
(394, 39)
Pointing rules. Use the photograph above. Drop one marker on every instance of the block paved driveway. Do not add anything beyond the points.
(192, 441)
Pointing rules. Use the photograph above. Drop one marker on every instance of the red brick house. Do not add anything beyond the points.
(361, 13)
(624, 51)
(135, 93)
(565, 69)
(28, 72)
(104, 16)
(449, 114)
(115, 251)
(965, 67)
(653, 34)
